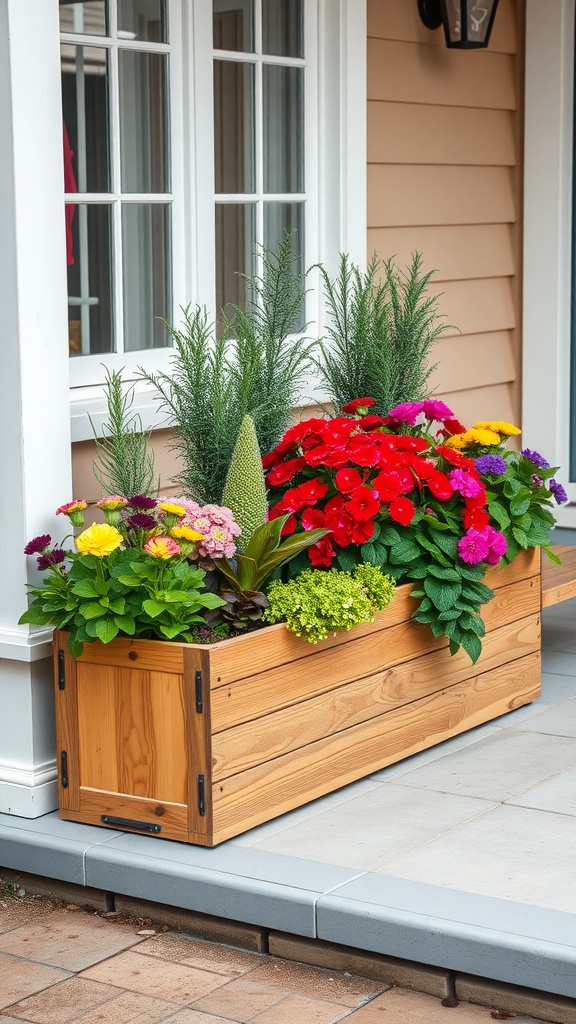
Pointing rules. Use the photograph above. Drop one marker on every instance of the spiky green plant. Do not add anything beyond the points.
(382, 327)
(271, 355)
(124, 462)
(245, 490)
(199, 395)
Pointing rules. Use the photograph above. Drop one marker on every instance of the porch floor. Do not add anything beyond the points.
(462, 857)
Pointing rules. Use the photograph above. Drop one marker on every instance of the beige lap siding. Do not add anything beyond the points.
(444, 178)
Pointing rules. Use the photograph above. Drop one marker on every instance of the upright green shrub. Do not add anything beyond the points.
(245, 490)
(124, 462)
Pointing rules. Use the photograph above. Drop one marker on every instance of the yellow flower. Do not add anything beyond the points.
(474, 436)
(175, 510)
(500, 426)
(99, 539)
(161, 547)
(186, 533)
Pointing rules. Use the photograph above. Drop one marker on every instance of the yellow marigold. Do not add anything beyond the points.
(174, 510)
(99, 539)
(186, 533)
(162, 547)
(500, 426)
(474, 436)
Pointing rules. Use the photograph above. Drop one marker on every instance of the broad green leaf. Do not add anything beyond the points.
(92, 610)
(348, 558)
(129, 579)
(126, 624)
(449, 615)
(85, 588)
(209, 600)
(106, 630)
(433, 550)
(499, 514)
(448, 543)
(375, 553)
(289, 548)
(227, 570)
(404, 552)
(521, 503)
(520, 537)
(153, 608)
(441, 572)
(442, 594)
(265, 538)
(389, 535)
(472, 645)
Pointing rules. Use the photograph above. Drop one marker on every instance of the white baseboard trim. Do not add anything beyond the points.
(20, 645)
(28, 793)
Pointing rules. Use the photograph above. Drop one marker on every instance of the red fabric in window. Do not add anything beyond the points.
(69, 186)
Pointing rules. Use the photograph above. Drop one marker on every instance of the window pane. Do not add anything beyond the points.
(234, 126)
(90, 18)
(280, 219)
(235, 244)
(143, 19)
(147, 272)
(283, 129)
(85, 113)
(143, 121)
(233, 25)
(90, 279)
(282, 28)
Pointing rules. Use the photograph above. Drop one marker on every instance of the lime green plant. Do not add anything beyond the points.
(316, 603)
(245, 490)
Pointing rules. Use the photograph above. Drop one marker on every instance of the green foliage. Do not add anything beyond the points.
(245, 489)
(383, 326)
(246, 574)
(256, 368)
(271, 358)
(317, 603)
(126, 592)
(521, 509)
(124, 461)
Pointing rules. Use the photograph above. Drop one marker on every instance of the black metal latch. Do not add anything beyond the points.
(142, 826)
(61, 676)
(199, 701)
(64, 769)
(201, 795)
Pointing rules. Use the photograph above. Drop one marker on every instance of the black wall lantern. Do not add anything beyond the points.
(467, 23)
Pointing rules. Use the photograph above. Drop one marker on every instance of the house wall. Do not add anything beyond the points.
(444, 178)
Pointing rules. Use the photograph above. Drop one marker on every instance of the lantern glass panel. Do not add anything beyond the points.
(479, 17)
(468, 21)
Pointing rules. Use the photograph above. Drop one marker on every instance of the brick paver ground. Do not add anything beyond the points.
(64, 965)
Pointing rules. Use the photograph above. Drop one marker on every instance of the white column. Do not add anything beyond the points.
(35, 470)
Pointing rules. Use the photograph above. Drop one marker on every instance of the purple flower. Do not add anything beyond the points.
(536, 480)
(433, 409)
(536, 458)
(50, 558)
(465, 483)
(142, 502)
(141, 521)
(558, 492)
(491, 464)
(473, 547)
(38, 544)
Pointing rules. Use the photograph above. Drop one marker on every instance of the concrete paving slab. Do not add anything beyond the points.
(66, 939)
(409, 764)
(557, 794)
(559, 720)
(19, 978)
(507, 853)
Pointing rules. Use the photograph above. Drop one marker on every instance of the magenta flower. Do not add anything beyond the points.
(465, 483)
(141, 521)
(38, 544)
(406, 412)
(50, 558)
(473, 547)
(433, 409)
(497, 545)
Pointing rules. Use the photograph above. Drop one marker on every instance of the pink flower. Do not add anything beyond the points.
(498, 545)
(162, 547)
(406, 412)
(74, 510)
(465, 483)
(436, 410)
(473, 547)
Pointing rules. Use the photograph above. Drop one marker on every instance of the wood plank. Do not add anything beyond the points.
(132, 735)
(159, 655)
(397, 19)
(559, 581)
(463, 359)
(66, 705)
(248, 798)
(172, 818)
(253, 743)
(198, 739)
(282, 686)
(524, 566)
(404, 195)
(418, 133)
(406, 72)
(455, 251)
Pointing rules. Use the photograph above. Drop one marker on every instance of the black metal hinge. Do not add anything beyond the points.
(199, 701)
(61, 675)
(201, 795)
(64, 769)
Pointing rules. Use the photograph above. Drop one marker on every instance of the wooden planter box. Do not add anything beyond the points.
(200, 743)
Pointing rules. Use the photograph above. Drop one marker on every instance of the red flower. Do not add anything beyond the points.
(309, 492)
(347, 480)
(289, 526)
(423, 468)
(373, 422)
(362, 504)
(322, 552)
(475, 518)
(440, 486)
(453, 426)
(361, 532)
(402, 511)
(455, 458)
(403, 442)
(477, 502)
(341, 526)
(358, 405)
(363, 451)
(387, 485)
(273, 458)
(284, 472)
(338, 432)
(317, 456)
(312, 519)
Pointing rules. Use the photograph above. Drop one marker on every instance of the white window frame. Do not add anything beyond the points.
(336, 219)
(548, 235)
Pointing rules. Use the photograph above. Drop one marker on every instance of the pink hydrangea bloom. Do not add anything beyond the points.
(216, 524)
